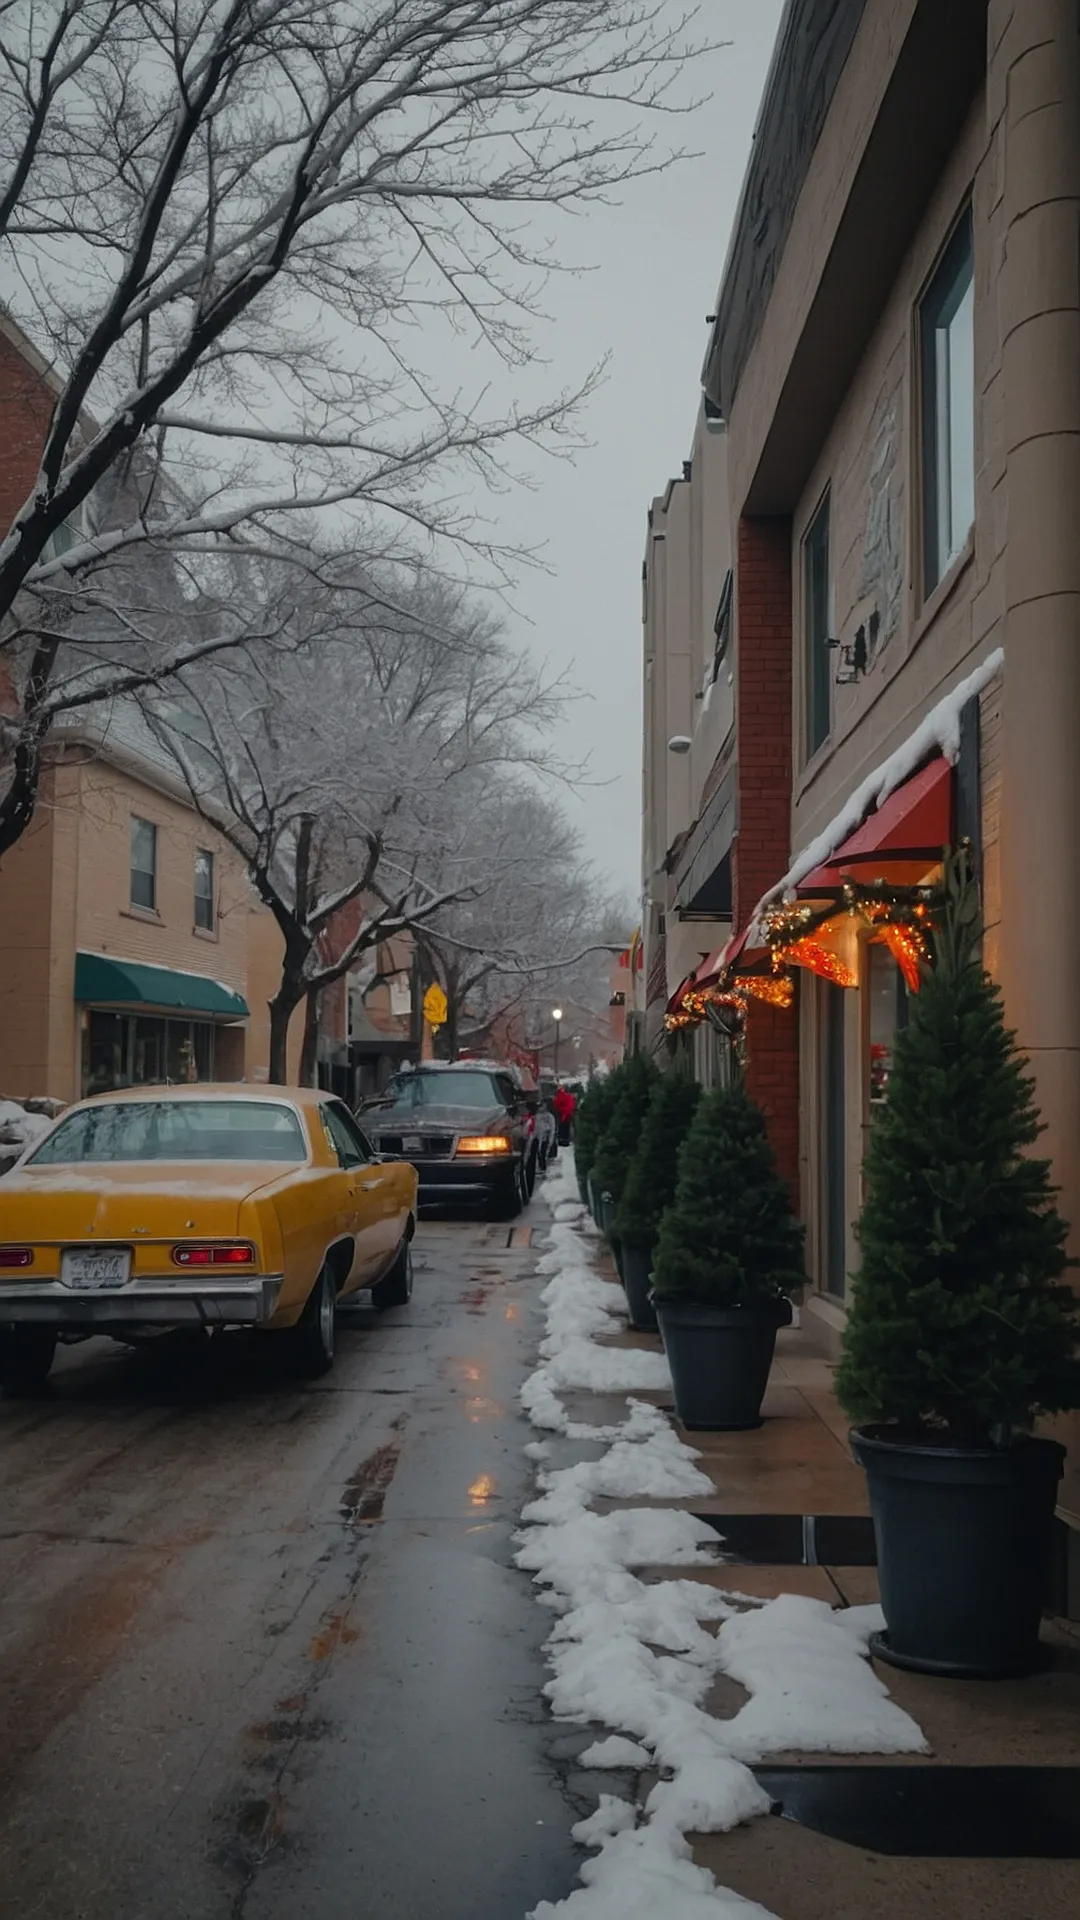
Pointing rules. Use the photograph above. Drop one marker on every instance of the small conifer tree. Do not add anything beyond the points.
(653, 1171)
(592, 1115)
(960, 1320)
(619, 1140)
(730, 1236)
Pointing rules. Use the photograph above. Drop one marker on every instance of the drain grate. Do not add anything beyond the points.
(796, 1539)
(945, 1813)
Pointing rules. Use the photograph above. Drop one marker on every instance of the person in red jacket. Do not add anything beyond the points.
(564, 1104)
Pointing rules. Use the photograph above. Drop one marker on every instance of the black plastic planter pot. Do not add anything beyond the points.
(719, 1358)
(593, 1200)
(637, 1257)
(607, 1215)
(963, 1540)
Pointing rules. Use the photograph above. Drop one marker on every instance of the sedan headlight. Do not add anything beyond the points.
(484, 1143)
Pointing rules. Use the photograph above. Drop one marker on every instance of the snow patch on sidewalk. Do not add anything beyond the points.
(639, 1657)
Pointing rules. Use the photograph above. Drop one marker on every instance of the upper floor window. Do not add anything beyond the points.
(817, 677)
(722, 626)
(143, 863)
(204, 889)
(947, 346)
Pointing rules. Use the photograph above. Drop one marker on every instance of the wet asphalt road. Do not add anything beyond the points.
(263, 1655)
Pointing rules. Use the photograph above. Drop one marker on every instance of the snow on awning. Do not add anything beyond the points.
(901, 840)
(939, 733)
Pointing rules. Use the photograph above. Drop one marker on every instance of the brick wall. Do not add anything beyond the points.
(762, 845)
(25, 406)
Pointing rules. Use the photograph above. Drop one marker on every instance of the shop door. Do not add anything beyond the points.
(834, 1143)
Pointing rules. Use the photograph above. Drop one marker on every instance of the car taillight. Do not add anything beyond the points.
(211, 1256)
(16, 1256)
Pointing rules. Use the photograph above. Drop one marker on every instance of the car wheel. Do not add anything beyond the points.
(395, 1287)
(26, 1354)
(530, 1174)
(312, 1340)
(509, 1199)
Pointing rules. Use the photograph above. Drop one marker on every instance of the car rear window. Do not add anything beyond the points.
(125, 1130)
(444, 1090)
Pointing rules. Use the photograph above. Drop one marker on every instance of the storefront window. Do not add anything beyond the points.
(887, 996)
(104, 1052)
(148, 1065)
(145, 1050)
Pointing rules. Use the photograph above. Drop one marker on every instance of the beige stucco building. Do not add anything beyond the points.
(688, 718)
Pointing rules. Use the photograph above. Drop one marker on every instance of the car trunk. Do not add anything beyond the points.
(146, 1204)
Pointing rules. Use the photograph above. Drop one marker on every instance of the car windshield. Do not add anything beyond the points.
(125, 1130)
(443, 1090)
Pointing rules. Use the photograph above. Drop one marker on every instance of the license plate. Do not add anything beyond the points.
(109, 1267)
(412, 1143)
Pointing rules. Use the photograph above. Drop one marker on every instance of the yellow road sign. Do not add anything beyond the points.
(435, 1006)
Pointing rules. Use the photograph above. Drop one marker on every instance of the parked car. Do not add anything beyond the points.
(549, 1087)
(464, 1126)
(201, 1206)
(541, 1123)
(541, 1120)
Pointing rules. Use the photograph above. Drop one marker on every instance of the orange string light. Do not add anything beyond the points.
(816, 958)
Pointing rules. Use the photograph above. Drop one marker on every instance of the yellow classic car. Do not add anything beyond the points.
(200, 1206)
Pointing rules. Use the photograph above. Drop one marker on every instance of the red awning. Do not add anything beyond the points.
(900, 841)
(675, 1004)
(736, 952)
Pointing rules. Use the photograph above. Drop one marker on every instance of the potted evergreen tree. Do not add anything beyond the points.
(962, 1331)
(728, 1256)
(589, 1122)
(650, 1187)
(619, 1141)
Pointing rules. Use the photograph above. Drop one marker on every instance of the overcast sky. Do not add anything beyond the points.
(657, 258)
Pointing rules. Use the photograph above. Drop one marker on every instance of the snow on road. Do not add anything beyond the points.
(637, 1656)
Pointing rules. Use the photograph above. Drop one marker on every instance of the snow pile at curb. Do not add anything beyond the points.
(581, 1308)
(638, 1656)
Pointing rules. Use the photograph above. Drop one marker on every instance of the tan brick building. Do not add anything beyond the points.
(131, 945)
(124, 928)
(896, 360)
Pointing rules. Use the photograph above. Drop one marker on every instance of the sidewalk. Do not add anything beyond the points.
(932, 1837)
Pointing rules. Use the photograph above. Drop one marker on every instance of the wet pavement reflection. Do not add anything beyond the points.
(263, 1653)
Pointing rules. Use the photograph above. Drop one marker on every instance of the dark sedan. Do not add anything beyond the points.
(465, 1130)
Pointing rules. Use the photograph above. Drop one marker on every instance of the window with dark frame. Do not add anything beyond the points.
(204, 890)
(816, 609)
(722, 626)
(947, 366)
(143, 863)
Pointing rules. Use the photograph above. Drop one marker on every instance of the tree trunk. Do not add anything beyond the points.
(309, 1053)
(20, 801)
(282, 1007)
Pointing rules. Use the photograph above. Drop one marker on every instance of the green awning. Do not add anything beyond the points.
(124, 982)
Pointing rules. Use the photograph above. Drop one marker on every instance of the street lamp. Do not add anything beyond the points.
(556, 1014)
